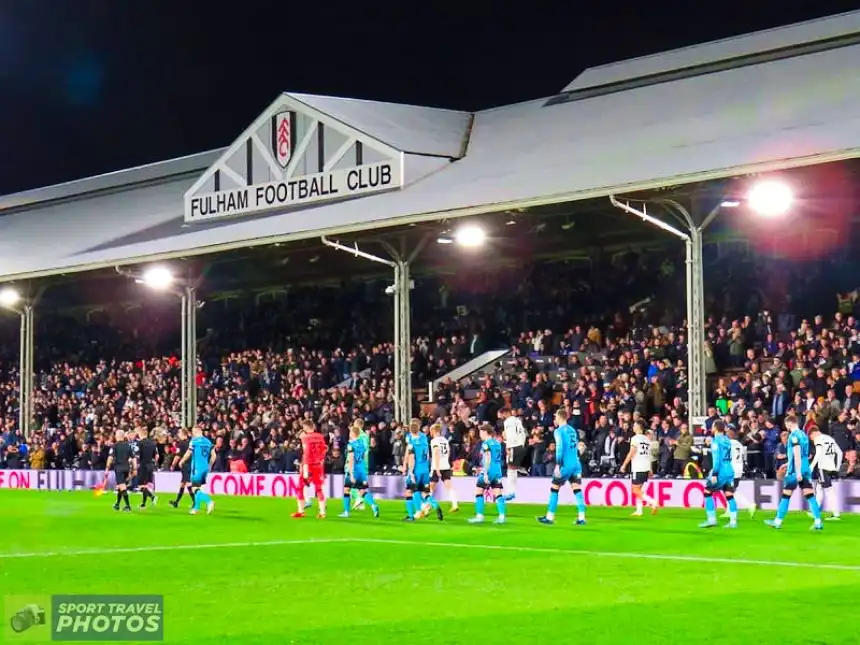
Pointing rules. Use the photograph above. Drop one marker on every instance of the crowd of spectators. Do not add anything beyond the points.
(257, 382)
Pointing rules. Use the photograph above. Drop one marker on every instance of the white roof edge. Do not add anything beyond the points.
(299, 95)
(836, 19)
(116, 179)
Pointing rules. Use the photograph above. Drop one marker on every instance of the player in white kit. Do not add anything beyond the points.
(440, 465)
(639, 456)
(739, 458)
(828, 460)
(515, 444)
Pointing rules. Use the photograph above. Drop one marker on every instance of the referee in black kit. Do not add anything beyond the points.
(147, 452)
(121, 459)
(185, 483)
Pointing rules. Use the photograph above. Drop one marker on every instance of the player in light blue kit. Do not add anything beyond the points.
(417, 470)
(797, 471)
(356, 473)
(568, 470)
(202, 457)
(721, 478)
(490, 477)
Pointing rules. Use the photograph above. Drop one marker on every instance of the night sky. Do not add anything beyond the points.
(92, 86)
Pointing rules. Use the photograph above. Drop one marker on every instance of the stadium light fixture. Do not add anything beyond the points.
(770, 198)
(159, 278)
(470, 236)
(9, 297)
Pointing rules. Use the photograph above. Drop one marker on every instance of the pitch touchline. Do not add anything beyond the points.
(456, 545)
(172, 547)
(614, 554)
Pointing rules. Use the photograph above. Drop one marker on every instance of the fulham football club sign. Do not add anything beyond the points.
(282, 145)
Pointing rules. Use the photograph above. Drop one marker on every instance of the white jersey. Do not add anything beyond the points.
(828, 454)
(444, 452)
(739, 457)
(641, 447)
(515, 433)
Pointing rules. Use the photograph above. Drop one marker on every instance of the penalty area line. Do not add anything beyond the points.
(615, 554)
(171, 547)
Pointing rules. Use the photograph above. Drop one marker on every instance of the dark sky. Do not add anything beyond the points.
(91, 86)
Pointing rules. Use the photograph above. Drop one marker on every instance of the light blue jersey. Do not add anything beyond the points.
(798, 437)
(492, 452)
(201, 449)
(358, 449)
(421, 451)
(566, 450)
(721, 456)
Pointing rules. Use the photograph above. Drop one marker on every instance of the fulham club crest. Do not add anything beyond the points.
(282, 145)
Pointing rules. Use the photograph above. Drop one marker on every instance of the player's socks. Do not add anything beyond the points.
(479, 505)
(410, 508)
(202, 498)
(416, 500)
(710, 512)
(552, 506)
(432, 502)
(128, 502)
(179, 495)
(346, 500)
(638, 510)
(832, 502)
(814, 507)
(733, 511)
(321, 503)
(512, 484)
(500, 505)
(368, 498)
(649, 500)
(118, 497)
(580, 503)
(782, 509)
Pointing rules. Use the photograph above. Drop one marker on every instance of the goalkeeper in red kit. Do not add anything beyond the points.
(314, 450)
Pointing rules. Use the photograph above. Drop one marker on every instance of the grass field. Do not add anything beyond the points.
(248, 574)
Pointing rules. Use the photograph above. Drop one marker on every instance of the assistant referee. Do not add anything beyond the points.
(121, 459)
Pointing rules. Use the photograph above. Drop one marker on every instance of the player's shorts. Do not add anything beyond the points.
(418, 482)
(121, 477)
(826, 477)
(313, 475)
(358, 482)
(736, 482)
(493, 481)
(793, 481)
(199, 479)
(517, 456)
(725, 483)
(146, 475)
(640, 478)
(442, 475)
(568, 476)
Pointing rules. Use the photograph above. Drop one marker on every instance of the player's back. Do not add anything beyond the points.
(737, 452)
(421, 451)
(494, 448)
(201, 448)
(641, 447)
(359, 453)
(567, 438)
(721, 453)
(313, 448)
(443, 448)
(797, 437)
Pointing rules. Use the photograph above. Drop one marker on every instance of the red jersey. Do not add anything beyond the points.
(314, 449)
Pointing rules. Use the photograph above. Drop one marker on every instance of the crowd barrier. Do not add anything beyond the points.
(669, 493)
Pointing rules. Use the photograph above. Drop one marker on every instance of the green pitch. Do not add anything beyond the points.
(258, 577)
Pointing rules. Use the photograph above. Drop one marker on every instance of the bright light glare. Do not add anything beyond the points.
(770, 198)
(9, 297)
(470, 236)
(159, 278)
(442, 239)
(730, 203)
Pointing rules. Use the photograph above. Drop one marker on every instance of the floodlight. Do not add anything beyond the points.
(444, 239)
(730, 203)
(770, 198)
(9, 297)
(470, 236)
(158, 277)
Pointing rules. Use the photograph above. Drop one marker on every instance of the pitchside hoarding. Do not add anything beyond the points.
(670, 493)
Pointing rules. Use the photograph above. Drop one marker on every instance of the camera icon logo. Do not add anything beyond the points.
(27, 617)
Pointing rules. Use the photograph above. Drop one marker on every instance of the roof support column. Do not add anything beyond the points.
(26, 376)
(188, 298)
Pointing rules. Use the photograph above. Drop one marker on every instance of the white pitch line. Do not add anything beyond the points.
(615, 554)
(171, 547)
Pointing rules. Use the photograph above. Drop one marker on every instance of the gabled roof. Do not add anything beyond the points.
(782, 113)
(760, 42)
